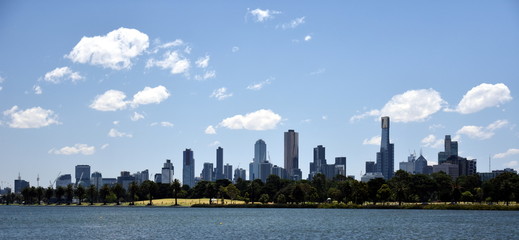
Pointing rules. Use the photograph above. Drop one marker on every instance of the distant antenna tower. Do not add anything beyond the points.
(489, 164)
(38, 180)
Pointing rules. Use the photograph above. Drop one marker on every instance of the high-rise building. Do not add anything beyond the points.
(96, 179)
(188, 170)
(239, 173)
(451, 149)
(158, 178)
(260, 156)
(386, 156)
(207, 172)
(370, 167)
(219, 163)
(20, 184)
(125, 179)
(420, 165)
(318, 165)
(140, 177)
(292, 155)
(83, 175)
(265, 170)
(279, 171)
(409, 166)
(63, 180)
(167, 172)
(340, 166)
(227, 172)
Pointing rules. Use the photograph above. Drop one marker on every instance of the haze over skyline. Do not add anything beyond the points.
(125, 86)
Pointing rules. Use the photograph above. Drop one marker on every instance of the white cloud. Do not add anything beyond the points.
(173, 61)
(318, 71)
(479, 132)
(115, 50)
(150, 95)
(35, 117)
(308, 120)
(115, 122)
(76, 149)
(176, 43)
(37, 89)
(114, 133)
(203, 62)
(235, 49)
(214, 144)
(259, 86)
(220, 94)
(260, 15)
(163, 124)
(2, 79)
(324, 117)
(111, 100)
(206, 75)
(509, 152)
(372, 141)
(411, 106)
(432, 142)
(60, 74)
(483, 96)
(263, 119)
(308, 38)
(292, 24)
(210, 130)
(436, 126)
(136, 116)
(105, 146)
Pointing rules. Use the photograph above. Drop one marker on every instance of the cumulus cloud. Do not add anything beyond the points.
(509, 152)
(479, 132)
(206, 75)
(76, 149)
(105, 146)
(432, 142)
(114, 50)
(292, 24)
(114, 133)
(150, 95)
(61, 74)
(136, 116)
(235, 49)
(260, 15)
(483, 96)
(173, 61)
(111, 100)
(372, 141)
(220, 94)
(37, 89)
(215, 143)
(35, 117)
(203, 62)
(163, 124)
(259, 86)
(263, 119)
(210, 130)
(308, 38)
(411, 106)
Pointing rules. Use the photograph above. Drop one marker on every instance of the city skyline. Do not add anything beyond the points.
(123, 87)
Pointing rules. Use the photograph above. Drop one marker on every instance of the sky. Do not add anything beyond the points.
(125, 85)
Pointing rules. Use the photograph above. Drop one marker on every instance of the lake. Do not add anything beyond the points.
(70, 222)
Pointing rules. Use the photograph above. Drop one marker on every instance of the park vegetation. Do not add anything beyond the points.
(404, 190)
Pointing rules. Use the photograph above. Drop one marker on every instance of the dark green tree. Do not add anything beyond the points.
(119, 192)
(176, 189)
(400, 185)
(298, 195)
(80, 193)
(49, 192)
(91, 193)
(373, 186)
(60, 192)
(69, 193)
(133, 189)
(103, 193)
(40, 191)
(150, 188)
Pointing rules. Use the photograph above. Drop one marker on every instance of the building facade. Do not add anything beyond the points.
(386, 156)
(291, 159)
(83, 175)
(219, 163)
(188, 170)
(167, 172)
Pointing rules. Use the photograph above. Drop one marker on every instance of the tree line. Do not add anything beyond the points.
(403, 187)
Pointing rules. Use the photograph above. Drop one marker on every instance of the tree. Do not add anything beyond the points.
(359, 192)
(400, 185)
(232, 191)
(384, 193)
(119, 192)
(39, 194)
(210, 191)
(69, 193)
(49, 192)
(103, 193)
(443, 186)
(264, 198)
(150, 188)
(26, 193)
(176, 189)
(91, 192)
(335, 194)
(60, 191)
(298, 194)
(80, 193)
(467, 196)
(373, 186)
(134, 188)
(281, 199)
(319, 183)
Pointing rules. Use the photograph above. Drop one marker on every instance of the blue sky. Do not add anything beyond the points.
(126, 85)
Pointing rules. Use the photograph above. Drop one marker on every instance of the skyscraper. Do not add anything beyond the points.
(340, 166)
(292, 155)
(96, 180)
(188, 170)
(83, 175)
(239, 173)
(386, 156)
(207, 172)
(227, 172)
(219, 163)
(318, 165)
(260, 156)
(167, 172)
(451, 149)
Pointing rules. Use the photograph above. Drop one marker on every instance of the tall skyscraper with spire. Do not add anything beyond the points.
(292, 155)
(386, 156)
